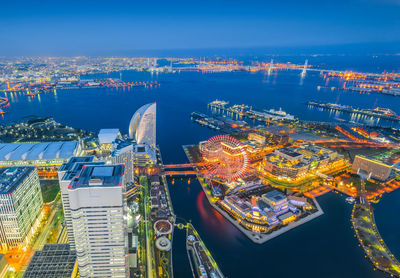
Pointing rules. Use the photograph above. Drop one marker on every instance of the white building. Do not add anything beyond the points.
(66, 173)
(20, 206)
(98, 213)
(107, 137)
(142, 126)
(45, 154)
(123, 154)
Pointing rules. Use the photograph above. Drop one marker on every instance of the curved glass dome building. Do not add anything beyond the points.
(142, 127)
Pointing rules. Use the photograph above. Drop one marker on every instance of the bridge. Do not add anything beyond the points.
(180, 169)
(180, 173)
(180, 166)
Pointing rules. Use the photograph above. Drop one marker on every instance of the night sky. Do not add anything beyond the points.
(62, 27)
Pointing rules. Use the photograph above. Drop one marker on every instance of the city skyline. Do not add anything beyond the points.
(132, 27)
(204, 139)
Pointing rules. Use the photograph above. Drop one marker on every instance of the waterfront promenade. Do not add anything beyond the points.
(378, 253)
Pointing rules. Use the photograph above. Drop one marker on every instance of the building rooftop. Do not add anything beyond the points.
(122, 146)
(54, 260)
(70, 164)
(10, 178)
(275, 196)
(98, 175)
(107, 136)
(77, 167)
(35, 151)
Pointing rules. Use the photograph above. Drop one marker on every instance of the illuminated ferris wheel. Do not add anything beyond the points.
(225, 157)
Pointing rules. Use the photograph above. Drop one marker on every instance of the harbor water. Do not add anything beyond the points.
(325, 247)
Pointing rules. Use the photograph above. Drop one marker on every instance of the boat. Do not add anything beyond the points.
(350, 200)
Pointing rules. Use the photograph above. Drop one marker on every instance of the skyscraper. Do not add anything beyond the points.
(66, 173)
(98, 220)
(20, 206)
(142, 126)
(123, 154)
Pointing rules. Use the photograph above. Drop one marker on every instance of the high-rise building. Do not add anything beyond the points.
(123, 154)
(107, 137)
(21, 206)
(132, 155)
(66, 173)
(98, 211)
(142, 126)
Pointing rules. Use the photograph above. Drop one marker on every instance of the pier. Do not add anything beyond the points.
(378, 113)
(205, 265)
(363, 221)
(378, 253)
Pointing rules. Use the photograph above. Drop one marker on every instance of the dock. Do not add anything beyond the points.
(378, 113)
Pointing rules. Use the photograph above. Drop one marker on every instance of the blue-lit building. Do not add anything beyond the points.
(276, 200)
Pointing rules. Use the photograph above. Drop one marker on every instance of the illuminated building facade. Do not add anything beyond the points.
(123, 154)
(142, 126)
(45, 156)
(296, 163)
(276, 200)
(66, 173)
(373, 168)
(133, 155)
(260, 139)
(98, 212)
(107, 137)
(20, 206)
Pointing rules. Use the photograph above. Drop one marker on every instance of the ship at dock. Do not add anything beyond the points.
(378, 112)
(246, 111)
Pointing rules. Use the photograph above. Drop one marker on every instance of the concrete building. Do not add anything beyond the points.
(98, 213)
(373, 168)
(144, 155)
(296, 163)
(20, 206)
(54, 260)
(123, 154)
(276, 200)
(107, 138)
(66, 173)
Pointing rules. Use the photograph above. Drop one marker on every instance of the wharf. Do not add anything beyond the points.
(374, 113)
(248, 112)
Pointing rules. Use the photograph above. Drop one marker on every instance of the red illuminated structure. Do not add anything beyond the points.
(225, 158)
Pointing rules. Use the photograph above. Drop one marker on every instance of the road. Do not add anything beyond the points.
(41, 240)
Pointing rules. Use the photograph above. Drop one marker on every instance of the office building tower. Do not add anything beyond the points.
(66, 173)
(98, 211)
(21, 206)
